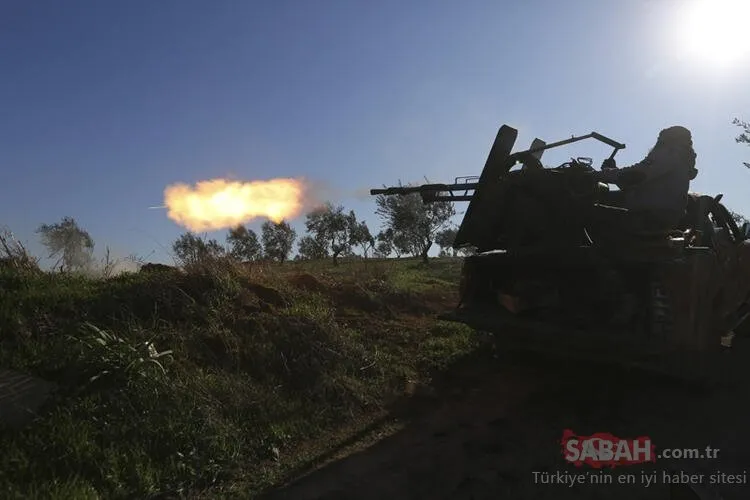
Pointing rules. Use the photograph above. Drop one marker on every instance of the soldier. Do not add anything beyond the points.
(655, 190)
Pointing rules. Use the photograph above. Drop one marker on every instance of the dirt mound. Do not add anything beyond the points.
(250, 303)
(356, 297)
(307, 282)
(152, 267)
(268, 295)
(420, 303)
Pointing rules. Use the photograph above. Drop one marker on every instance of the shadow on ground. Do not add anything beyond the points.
(495, 422)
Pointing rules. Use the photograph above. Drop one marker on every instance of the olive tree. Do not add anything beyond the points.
(191, 249)
(278, 240)
(445, 239)
(244, 244)
(332, 227)
(310, 248)
(414, 223)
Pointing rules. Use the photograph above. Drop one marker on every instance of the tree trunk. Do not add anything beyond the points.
(425, 251)
(335, 252)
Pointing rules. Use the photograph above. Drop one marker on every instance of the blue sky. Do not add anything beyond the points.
(103, 104)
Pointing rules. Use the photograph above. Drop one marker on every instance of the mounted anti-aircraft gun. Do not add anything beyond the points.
(488, 193)
(531, 158)
(547, 261)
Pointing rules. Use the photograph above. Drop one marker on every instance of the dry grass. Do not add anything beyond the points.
(13, 254)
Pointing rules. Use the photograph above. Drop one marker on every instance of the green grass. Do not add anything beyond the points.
(176, 383)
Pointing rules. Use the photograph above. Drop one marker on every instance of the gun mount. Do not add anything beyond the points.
(485, 192)
(552, 258)
(461, 187)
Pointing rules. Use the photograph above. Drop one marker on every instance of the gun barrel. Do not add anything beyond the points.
(394, 190)
(425, 188)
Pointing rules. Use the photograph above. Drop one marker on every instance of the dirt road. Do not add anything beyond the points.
(497, 422)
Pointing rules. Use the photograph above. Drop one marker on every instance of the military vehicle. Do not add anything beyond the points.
(551, 270)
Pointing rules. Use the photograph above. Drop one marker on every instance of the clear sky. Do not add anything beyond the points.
(103, 104)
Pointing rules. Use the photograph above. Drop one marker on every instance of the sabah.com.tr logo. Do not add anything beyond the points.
(606, 450)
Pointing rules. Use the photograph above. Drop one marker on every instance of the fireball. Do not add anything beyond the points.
(221, 204)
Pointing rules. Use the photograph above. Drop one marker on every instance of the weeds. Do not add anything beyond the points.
(250, 374)
(13, 254)
(118, 356)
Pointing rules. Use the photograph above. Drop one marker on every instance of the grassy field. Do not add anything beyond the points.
(217, 382)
